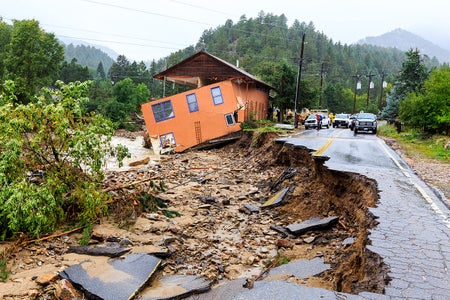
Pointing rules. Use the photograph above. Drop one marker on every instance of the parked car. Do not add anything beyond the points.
(311, 122)
(341, 120)
(366, 122)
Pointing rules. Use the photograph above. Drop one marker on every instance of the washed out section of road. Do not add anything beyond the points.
(413, 234)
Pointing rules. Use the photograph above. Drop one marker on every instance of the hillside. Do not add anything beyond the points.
(405, 40)
(86, 55)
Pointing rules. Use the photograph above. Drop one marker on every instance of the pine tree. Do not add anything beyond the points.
(100, 71)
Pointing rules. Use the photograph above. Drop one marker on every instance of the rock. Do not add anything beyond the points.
(34, 294)
(126, 241)
(312, 224)
(66, 291)
(142, 161)
(284, 244)
(152, 216)
(226, 202)
(233, 271)
(348, 241)
(248, 258)
(46, 279)
(207, 199)
(28, 261)
(249, 209)
(309, 240)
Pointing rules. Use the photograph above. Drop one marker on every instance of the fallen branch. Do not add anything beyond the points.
(25, 243)
(342, 224)
(249, 282)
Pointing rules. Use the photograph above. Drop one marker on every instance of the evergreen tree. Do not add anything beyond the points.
(119, 69)
(410, 80)
(100, 74)
(73, 72)
(412, 75)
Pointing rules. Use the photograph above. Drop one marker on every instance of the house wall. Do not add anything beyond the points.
(256, 102)
(209, 122)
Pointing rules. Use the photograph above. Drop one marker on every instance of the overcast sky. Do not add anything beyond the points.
(146, 30)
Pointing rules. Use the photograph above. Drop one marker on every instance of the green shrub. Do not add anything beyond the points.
(51, 160)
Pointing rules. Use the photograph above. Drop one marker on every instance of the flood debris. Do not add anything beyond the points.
(249, 208)
(276, 199)
(287, 173)
(312, 224)
(220, 242)
(120, 278)
(110, 249)
(175, 287)
(283, 231)
(300, 268)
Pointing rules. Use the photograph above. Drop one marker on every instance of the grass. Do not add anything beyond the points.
(417, 143)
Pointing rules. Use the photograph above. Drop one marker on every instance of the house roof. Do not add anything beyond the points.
(206, 66)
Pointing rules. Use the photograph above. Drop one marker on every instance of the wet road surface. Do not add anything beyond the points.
(413, 234)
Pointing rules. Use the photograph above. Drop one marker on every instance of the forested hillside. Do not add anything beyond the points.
(270, 49)
(87, 56)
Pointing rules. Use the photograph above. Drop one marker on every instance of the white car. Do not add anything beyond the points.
(341, 120)
(311, 122)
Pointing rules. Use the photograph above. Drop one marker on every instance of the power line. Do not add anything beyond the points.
(203, 8)
(111, 34)
(116, 42)
(146, 12)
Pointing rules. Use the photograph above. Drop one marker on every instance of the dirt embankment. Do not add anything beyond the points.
(214, 236)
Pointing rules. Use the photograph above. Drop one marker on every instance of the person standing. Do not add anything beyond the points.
(318, 121)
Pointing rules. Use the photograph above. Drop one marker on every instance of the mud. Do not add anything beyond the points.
(217, 239)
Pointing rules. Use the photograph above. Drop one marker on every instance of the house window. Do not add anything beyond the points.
(217, 95)
(163, 111)
(192, 102)
(229, 119)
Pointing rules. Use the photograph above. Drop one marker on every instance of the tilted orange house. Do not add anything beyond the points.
(223, 96)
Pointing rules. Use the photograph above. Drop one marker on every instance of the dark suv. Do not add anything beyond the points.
(365, 122)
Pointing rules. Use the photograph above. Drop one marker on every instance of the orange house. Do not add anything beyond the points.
(223, 96)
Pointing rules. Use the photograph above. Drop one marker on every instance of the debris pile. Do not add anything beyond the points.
(240, 212)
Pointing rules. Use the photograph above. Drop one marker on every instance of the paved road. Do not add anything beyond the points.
(413, 235)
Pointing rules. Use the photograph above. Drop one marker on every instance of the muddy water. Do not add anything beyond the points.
(137, 150)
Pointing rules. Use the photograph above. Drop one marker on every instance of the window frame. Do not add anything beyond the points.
(232, 118)
(161, 115)
(218, 96)
(188, 98)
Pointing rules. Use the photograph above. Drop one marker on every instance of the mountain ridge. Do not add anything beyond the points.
(405, 40)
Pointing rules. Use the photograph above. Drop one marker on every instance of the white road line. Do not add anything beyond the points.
(433, 204)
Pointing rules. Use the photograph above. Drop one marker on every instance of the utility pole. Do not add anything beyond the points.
(370, 75)
(356, 76)
(299, 77)
(383, 74)
(321, 82)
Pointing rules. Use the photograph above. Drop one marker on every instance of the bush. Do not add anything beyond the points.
(51, 160)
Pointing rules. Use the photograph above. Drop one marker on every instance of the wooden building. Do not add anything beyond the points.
(222, 97)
